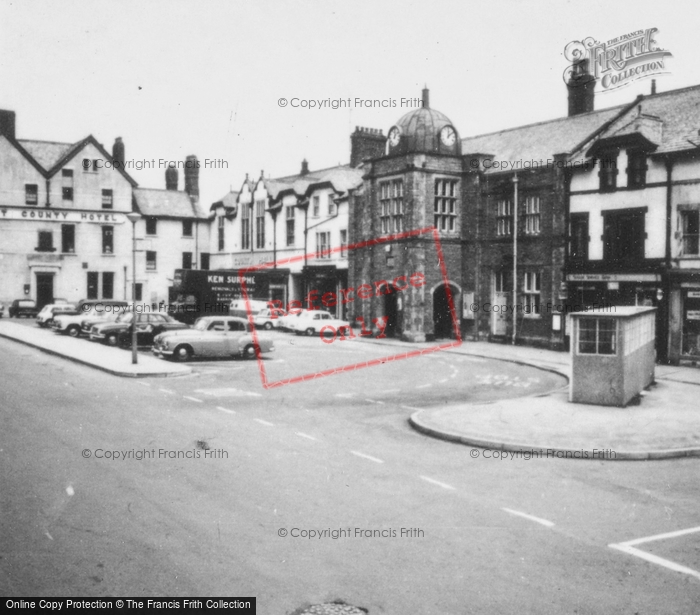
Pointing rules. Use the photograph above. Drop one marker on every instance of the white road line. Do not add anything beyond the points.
(359, 454)
(199, 401)
(639, 541)
(166, 391)
(526, 516)
(438, 483)
(374, 401)
(264, 422)
(424, 386)
(226, 410)
(344, 394)
(145, 384)
(305, 435)
(443, 380)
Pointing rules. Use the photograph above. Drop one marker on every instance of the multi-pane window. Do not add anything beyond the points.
(323, 242)
(187, 228)
(532, 285)
(150, 261)
(92, 280)
(316, 203)
(343, 243)
(108, 285)
(608, 171)
(151, 226)
(68, 238)
(107, 240)
(503, 281)
(290, 225)
(45, 242)
(220, 230)
(187, 260)
(596, 336)
(690, 232)
(579, 236)
(445, 206)
(504, 218)
(107, 198)
(245, 227)
(259, 224)
(636, 169)
(67, 185)
(31, 194)
(532, 215)
(391, 206)
(332, 206)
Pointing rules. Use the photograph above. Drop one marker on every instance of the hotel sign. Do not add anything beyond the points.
(57, 215)
(613, 277)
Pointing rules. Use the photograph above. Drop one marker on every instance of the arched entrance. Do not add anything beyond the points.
(391, 312)
(442, 318)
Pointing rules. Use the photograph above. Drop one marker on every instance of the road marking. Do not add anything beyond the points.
(424, 386)
(166, 391)
(531, 517)
(438, 483)
(199, 401)
(145, 384)
(305, 435)
(264, 422)
(344, 394)
(359, 454)
(627, 547)
(443, 380)
(226, 410)
(374, 401)
(227, 392)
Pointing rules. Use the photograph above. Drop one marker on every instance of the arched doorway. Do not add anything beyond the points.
(391, 312)
(442, 318)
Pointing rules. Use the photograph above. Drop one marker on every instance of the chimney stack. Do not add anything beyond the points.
(118, 152)
(7, 123)
(366, 144)
(192, 176)
(581, 86)
(171, 177)
(426, 98)
(304, 167)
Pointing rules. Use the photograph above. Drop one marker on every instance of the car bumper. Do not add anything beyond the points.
(161, 352)
(97, 336)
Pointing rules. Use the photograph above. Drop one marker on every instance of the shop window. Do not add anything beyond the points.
(150, 260)
(187, 260)
(260, 225)
(45, 242)
(290, 225)
(596, 336)
(532, 215)
(245, 227)
(151, 226)
(624, 235)
(607, 172)
(31, 194)
(504, 218)
(220, 230)
(689, 222)
(92, 278)
(532, 288)
(323, 242)
(445, 205)
(107, 199)
(579, 237)
(187, 226)
(107, 240)
(636, 169)
(391, 206)
(68, 238)
(108, 285)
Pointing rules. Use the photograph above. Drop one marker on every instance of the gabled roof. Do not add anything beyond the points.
(166, 204)
(341, 178)
(46, 153)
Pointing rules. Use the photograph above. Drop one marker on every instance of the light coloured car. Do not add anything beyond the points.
(212, 336)
(285, 322)
(317, 322)
(45, 317)
(93, 310)
(264, 319)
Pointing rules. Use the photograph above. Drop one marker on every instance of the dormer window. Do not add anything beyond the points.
(608, 171)
(636, 169)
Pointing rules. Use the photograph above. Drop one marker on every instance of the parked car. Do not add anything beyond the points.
(98, 311)
(264, 320)
(145, 332)
(46, 316)
(285, 322)
(23, 307)
(313, 322)
(2, 310)
(86, 324)
(212, 336)
(110, 332)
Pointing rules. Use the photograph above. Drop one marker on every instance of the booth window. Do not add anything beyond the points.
(596, 336)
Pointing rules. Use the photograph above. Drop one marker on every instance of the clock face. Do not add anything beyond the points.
(448, 136)
(394, 136)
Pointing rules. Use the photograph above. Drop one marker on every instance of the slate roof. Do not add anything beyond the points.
(342, 178)
(166, 203)
(46, 153)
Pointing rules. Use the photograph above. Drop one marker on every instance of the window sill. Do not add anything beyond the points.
(151, 271)
(68, 254)
(110, 254)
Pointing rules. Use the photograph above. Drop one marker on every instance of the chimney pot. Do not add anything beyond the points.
(192, 176)
(304, 167)
(7, 123)
(171, 177)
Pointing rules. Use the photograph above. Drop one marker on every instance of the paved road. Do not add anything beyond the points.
(332, 454)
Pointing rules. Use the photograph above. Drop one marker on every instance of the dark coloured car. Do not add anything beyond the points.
(147, 326)
(23, 307)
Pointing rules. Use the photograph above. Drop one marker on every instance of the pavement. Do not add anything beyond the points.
(116, 361)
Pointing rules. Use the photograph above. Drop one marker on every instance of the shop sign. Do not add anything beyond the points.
(613, 277)
(55, 215)
(693, 315)
(694, 294)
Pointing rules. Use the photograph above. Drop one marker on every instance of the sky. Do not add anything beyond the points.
(205, 77)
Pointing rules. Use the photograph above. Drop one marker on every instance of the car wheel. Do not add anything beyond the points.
(73, 331)
(267, 325)
(111, 339)
(249, 352)
(310, 331)
(182, 353)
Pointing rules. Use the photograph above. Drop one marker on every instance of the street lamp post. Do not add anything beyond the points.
(133, 217)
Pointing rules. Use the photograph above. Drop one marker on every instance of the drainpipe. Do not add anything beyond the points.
(666, 280)
(515, 256)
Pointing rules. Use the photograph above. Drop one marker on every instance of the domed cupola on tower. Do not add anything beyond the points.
(424, 131)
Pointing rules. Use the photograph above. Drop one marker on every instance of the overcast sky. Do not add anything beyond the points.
(191, 77)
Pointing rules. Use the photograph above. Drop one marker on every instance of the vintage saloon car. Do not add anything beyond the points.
(317, 322)
(146, 324)
(212, 336)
